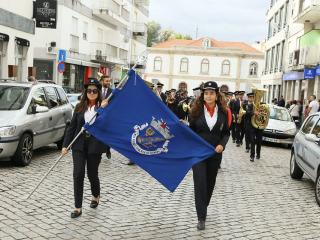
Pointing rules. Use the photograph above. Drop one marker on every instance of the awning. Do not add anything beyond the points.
(73, 61)
(90, 64)
(4, 37)
(294, 75)
(22, 42)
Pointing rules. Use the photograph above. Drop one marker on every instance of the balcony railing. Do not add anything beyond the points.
(139, 29)
(308, 12)
(102, 52)
(112, 12)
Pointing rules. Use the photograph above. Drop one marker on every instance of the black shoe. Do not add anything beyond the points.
(108, 154)
(76, 213)
(238, 145)
(94, 203)
(201, 225)
(233, 140)
(252, 159)
(130, 163)
(258, 157)
(247, 150)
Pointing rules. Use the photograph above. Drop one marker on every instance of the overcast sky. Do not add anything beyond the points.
(229, 20)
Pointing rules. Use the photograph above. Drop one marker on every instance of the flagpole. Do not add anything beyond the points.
(121, 84)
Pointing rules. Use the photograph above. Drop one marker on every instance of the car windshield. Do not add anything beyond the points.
(73, 98)
(13, 97)
(280, 114)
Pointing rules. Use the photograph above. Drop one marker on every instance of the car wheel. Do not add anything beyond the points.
(24, 151)
(295, 170)
(317, 189)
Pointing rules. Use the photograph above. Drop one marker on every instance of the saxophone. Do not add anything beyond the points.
(261, 120)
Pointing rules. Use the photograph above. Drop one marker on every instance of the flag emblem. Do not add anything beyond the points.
(151, 138)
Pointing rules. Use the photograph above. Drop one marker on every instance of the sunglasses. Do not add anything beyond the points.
(93, 91)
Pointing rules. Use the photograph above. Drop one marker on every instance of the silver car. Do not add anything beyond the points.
(281, 127)
(305, 154)
(32, 115)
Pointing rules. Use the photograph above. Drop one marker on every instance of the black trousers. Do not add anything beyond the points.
(80, 159)
(233, 131)
(247, 135)
(239, 132)
(256, 141)
(204, 179)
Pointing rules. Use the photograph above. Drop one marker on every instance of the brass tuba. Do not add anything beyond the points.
(261, 120)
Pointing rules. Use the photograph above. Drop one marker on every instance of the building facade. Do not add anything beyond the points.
(98, 36)
(235, 64)
(17, 32)
(292, 50)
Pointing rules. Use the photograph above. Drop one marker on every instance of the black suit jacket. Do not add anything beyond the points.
(94, 145)
(109, 91)
(220, 133)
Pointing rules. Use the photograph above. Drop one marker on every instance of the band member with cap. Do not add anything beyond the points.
(159, 88)
(106, 90)
(248, 107)
(86, 150)
(255, 140)
(239, 123)
(209, 120)
(182, 102)
(234, 107)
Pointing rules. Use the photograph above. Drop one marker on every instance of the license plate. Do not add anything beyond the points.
(270, 139)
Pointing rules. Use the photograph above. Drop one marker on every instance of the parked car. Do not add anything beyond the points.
(74, 98)
(305, 152)
(68, 89)
(281, 127)
(32, 115)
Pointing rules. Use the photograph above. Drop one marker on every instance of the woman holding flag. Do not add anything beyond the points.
(209, 119)
(86, 149)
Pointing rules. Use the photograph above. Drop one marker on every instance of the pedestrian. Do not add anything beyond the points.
(281, 102)
(106, 90)
(239, 124)
(234, 107)
(294, 111)
(313, 106)
(86, 150)
(209, 120)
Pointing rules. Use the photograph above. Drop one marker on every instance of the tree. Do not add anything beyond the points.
(167, 34)
(153, 33)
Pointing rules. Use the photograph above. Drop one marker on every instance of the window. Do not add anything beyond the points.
(74, 26)
(52, 96)
(157, 64)
(74, 43)
(286, 9)
(280, 25)
(62, 96)
(38, 98)
(272, 59)
(225, 67)
(316, 129)
(270, 28)
(281, 56)
(184, 65)
(266, 67)
(276, 64)
(253, 70)
(12, 98)
(309, 124)
(205, 66)
(85, 31)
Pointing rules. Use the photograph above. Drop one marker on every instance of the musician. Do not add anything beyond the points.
(255, 138)
(248, 107)
(161, 94)
(182, 102)
(106, 90)
(239, 123)
(170, 100)
(234, 107)
(208, 119)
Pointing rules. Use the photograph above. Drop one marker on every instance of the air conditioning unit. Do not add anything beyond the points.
(51, 50)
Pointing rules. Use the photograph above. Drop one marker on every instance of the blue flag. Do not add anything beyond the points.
(139, 125)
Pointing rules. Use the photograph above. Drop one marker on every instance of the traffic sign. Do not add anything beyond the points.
(61, 67)
(62, 55)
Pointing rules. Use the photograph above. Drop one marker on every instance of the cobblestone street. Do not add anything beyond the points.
(251, 201)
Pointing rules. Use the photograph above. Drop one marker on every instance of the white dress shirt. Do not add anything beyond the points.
(211, 121)
(89, 114)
